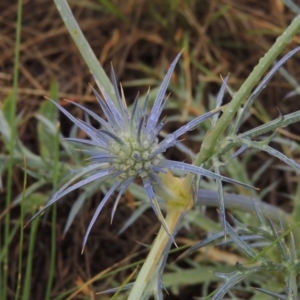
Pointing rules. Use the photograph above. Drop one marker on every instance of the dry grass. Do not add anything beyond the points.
(219, 37)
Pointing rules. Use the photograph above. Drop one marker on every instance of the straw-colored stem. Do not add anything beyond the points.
(142, 283)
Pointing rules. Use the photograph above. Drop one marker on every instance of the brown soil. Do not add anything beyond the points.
(143, 33)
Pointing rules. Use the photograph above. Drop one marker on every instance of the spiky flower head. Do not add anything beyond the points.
(126, 147)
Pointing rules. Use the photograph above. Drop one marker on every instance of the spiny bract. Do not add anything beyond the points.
(127, 146)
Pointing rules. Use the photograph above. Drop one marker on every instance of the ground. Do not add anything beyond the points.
(140, 38)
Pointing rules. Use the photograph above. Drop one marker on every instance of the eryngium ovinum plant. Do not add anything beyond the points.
(125, 146)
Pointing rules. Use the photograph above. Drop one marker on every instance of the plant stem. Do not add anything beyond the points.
(54, 217)
(210, 141)
(280, 122)
(244, 203)
(158, 250)
(20, 264)
(28, 275)
(84, 48)
(12, 142)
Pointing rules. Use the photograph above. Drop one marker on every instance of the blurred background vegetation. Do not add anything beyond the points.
(140, 38)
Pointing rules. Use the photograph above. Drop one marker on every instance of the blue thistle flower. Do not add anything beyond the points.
(127, 147)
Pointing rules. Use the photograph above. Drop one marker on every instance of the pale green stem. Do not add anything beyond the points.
(280, 122)
(51, 273)
(141, 285)
(30, 256)
(84, 48)
(12, 144)
(21, 234)
(209, 144)
(291, 285)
